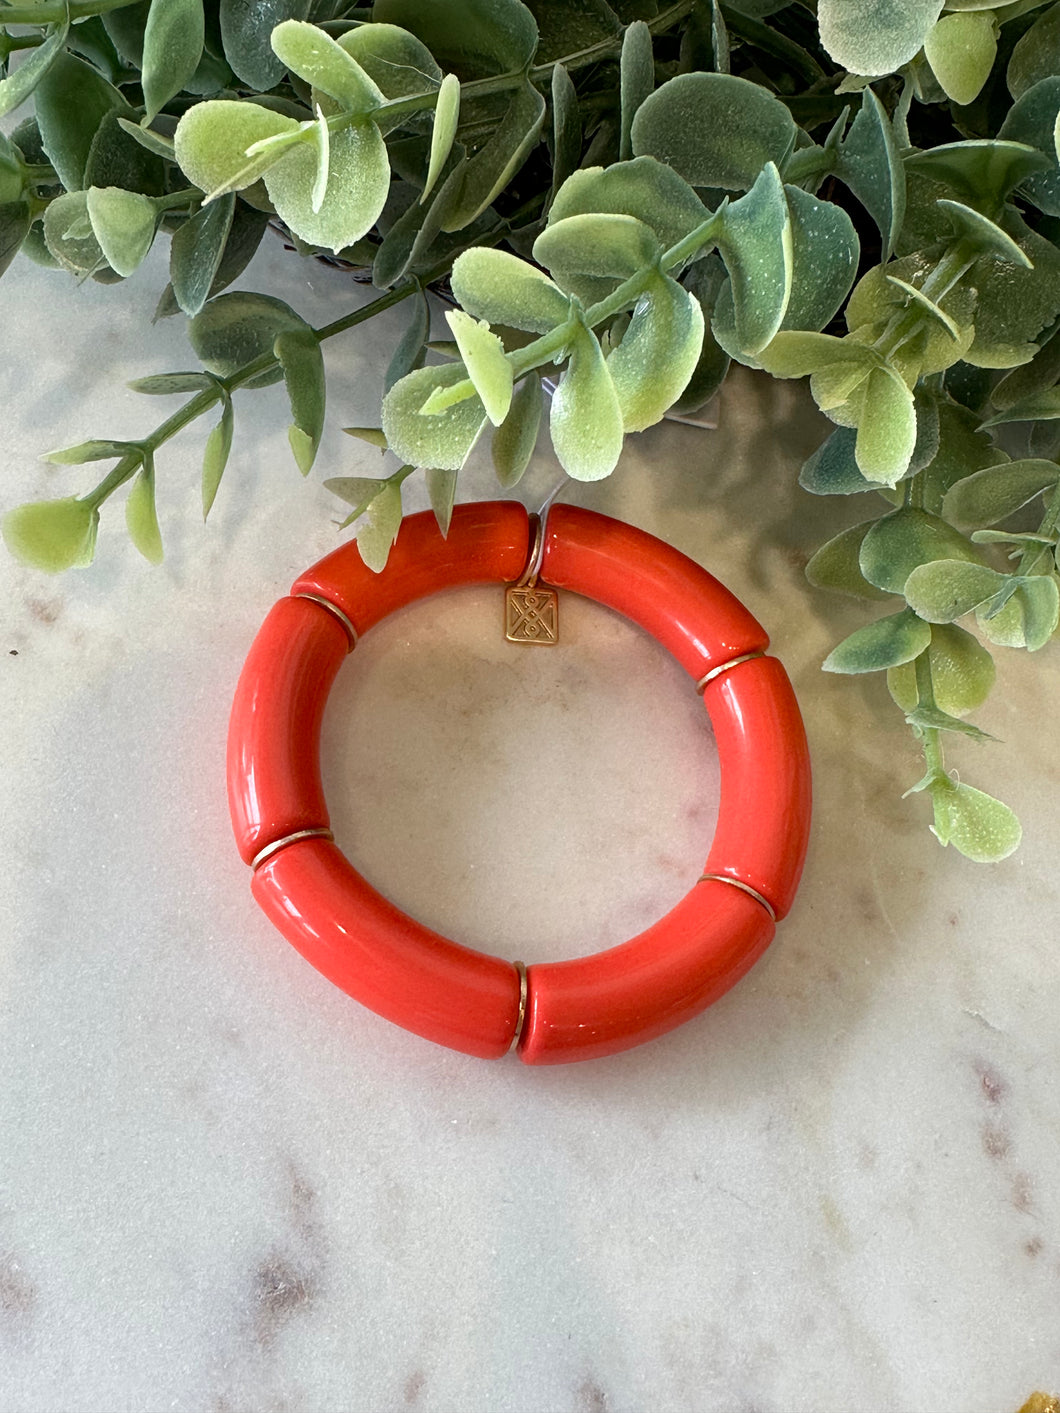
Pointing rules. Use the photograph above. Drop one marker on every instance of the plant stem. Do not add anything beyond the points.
(932, 737)
(54, 12)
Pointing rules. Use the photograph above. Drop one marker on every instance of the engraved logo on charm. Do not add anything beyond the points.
(531, 615)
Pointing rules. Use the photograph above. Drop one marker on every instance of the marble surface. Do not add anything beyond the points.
(225, 1188)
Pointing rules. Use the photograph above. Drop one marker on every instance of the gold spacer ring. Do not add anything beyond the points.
(744, 887)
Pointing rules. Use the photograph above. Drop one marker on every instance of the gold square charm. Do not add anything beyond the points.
(531, 615)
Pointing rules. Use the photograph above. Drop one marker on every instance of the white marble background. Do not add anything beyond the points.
(224, 1188)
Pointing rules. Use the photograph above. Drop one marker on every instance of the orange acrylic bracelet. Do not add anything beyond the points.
(548, 1012)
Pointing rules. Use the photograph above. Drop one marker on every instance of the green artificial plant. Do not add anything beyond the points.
(621, 198)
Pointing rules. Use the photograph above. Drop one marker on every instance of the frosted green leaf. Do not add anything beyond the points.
(124, 224)
(487, 367)
(906, 538)
(961, 49)
(793, 353)
(154, 142)
(836, 564)
(1032, 119)
(475, 182)
(472, 37)
(920, 299)
(1041, 406)
(714, 130)
(981, 173)
(211, 143)
(298, 352)
(875, 37)
(899, 638)
(412, 345)
(658, 354)
(195, 253)
(379, 529)
(237, 328)
(825, 252)
(173, 43)
(515, 439)
(993, 493)
(441, 491)
(215, 456)
(358, 491)
(586, 420)
(945, 589)
(644, 188)
(1036, 55)
(869, 163)
(70, 102)
(320, 178)
(832, 470)
(599, 246)
(85, 452)
(20, 83)
(1027, 618)
(396, 61)
(372, 435)
(962, 673)
(978, 826)
(245, 31)
(443, 439)
(988, 238)
(446, 118)
(502, 289)
(141, 517)
(52, 535)
(315, 57)
(566, 127)
(755, 242)
(357, 188)
(69, 234)
(636, 79)
(886, 427)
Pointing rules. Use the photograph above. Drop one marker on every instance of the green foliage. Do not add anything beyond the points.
(616, 201)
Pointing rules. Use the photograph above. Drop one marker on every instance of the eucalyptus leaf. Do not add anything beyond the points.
(636, 79)
(412, 346)
(1042, 406)
(167, 384)
(1036, 55)
(875, 37)
(298, 353)
(715, 130)
(756, 245)
(868, 160)
(358, 491)
(446, 118)
(502, 289)
(960, 49)
(1014, 304)
(71, 101)
(52, 535)
(441, 490)
(515, 439)
(985, 235)
(472, 37)
(644, 188)
(836, 565)
(245, 32)
(886, 427)
(796, 353)
(1027, 618)
(833, 469)
(154, 142)
(1032, 119)
(314, 56)
(980, 172)
(357, 187)
(372, 435)
(586, 419)
(141, 517)
(443, 439)
(825, 251)
(195, 253)
(212, 139)
(487, 367)
(567, 29)
(962, 673)
(995, 492)
(379, 529)
(566, 127)
(396, 61)
(15, 225)
(887, 642)
(115, 158)
(658, 354)
(215, 456)
(599, 246)
(85, 452)
(20, 83)
(900, 542)
(173, 43)
(944, 589)
(978, 826)
(124, 224)
(474, 184)
(237, 328)
(69, 235)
